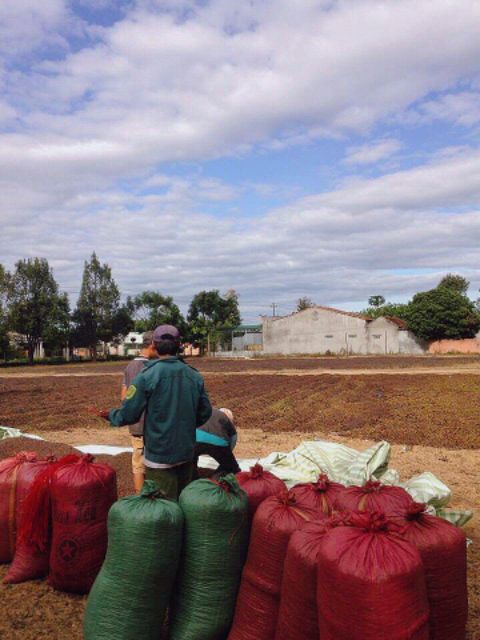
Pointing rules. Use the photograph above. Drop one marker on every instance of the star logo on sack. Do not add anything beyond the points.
(68, 550)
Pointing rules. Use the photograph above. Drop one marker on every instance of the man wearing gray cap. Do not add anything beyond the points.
(175, 402)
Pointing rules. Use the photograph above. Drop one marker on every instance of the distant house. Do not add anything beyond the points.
(131, 345)
(243, 340)
(323, 330)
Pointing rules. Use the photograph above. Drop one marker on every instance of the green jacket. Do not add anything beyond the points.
(175, 402)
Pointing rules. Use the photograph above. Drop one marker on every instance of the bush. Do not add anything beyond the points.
(442, 313)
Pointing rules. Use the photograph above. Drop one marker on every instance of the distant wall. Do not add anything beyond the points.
(237, 354)
(408, 343)
(322, 331)
(241, 343)
(470, 345)
(383, 337)
(314, 331)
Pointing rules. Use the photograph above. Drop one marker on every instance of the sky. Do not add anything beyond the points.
(281, 148)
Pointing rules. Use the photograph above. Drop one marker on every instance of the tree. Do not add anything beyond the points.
(4, 342)
(36, 309)
(442, 313)
(376, 301)
(210, 313)
(455, 282)
(57, 335)
(231, 311)
(98, 315)
(304, 303)
(151, 309)
(388, 309)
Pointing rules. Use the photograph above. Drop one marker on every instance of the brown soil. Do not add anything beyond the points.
(272, 364)
(410, 410)
(345, 363)
(121, 463)
(11, 446)
(273, 413)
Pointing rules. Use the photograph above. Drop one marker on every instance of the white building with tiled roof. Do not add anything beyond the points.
(323, 330)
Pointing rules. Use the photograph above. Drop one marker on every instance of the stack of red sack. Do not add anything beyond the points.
(259, 597)
(379, 568)
(16, 476)
(62, 526)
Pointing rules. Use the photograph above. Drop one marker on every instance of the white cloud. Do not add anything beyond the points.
(372, 152)
(27, 24)
(460, 108)
(337, 247)
(158, 88)
(449, 181)
(89, 128)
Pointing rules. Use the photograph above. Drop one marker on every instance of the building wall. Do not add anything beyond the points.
(385, 337)
(315, 331)
(408, 343)
(326, 331)
(241, 343)
(469, 345)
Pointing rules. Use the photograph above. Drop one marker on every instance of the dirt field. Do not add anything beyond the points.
(273, 412)
(423, 409)
(273, 365)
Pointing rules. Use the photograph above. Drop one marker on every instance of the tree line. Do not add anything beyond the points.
(444, 312)
(33, 307)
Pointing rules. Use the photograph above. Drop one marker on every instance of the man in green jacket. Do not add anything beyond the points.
(175, 402)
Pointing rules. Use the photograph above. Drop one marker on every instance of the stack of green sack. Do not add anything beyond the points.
(214, 551)
(130, 596)
(188, 555)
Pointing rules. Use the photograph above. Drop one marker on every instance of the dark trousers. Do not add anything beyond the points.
(227, 463)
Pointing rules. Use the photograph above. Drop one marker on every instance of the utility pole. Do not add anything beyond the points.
(274, 307)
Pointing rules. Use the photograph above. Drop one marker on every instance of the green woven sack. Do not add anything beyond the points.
(214, 550)
(131, 593)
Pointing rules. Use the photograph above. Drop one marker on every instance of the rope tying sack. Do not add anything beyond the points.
(321, 495)
(259, 485)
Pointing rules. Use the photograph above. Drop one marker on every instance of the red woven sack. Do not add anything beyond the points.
(443, 550)
(320, 495)
(31, 559)
(298, 617)
(65, 525)
(259, 596)
(81, 497)
(373, 496)
(9, 470)
(370, 584)
(259, 484)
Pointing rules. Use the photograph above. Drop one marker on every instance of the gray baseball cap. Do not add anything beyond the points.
(166, 332)
(147, 338)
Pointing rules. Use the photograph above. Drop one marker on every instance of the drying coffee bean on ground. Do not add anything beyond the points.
(12, 446)
(430, 419)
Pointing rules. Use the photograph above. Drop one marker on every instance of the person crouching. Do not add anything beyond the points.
(217, 438)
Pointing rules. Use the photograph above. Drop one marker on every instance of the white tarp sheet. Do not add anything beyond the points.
(313, 457)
